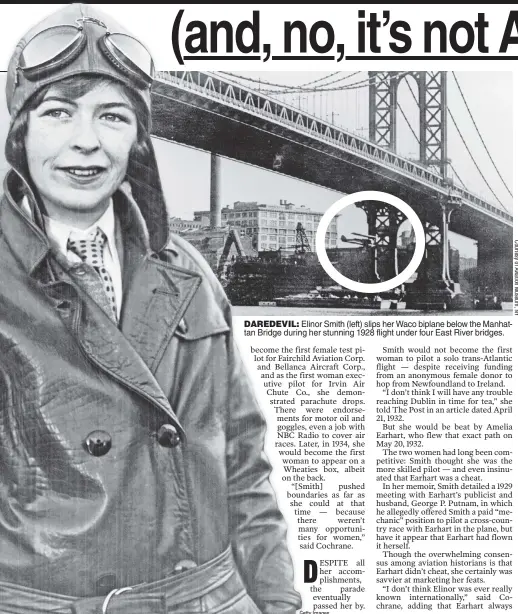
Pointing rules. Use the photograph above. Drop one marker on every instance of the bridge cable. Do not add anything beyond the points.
(458, 176)
(348, 76)
(411, 90)
(320, 79)
(465, 144)
(353, 86)
(408, 123)
(295, 89)
(261, 82)
(417, 103)
(474, 162)
(303, 87)
(478, 132)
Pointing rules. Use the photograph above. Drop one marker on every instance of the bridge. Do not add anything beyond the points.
(216, 114)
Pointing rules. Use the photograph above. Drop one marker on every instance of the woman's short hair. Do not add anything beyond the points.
(75, 87)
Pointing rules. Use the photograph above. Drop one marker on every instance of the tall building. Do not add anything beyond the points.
(406, 238)
(466, 264)
(274, 226)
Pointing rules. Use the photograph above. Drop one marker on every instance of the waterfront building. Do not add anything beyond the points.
(273, 227)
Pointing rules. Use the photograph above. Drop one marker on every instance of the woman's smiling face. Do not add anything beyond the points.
(78, 150)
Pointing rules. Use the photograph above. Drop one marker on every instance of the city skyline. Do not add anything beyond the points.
(190, 163)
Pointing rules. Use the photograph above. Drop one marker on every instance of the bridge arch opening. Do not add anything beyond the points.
(464, 261)
(352, 254)
(405, 246)
(376, 243)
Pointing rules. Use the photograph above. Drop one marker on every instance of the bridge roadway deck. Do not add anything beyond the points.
(190, 117)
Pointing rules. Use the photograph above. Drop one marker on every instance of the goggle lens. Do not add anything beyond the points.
(49, 45)
(134, 51)
(59, 45)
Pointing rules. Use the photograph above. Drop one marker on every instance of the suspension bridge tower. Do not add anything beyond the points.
(434, 286)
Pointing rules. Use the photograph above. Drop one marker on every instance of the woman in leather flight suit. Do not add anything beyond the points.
(132, 473)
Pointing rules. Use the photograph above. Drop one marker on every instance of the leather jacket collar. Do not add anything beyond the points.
(28, 240)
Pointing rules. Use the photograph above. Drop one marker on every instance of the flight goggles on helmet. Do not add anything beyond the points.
(58, 46)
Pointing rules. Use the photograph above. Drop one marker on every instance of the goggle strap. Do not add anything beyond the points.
(83, 20)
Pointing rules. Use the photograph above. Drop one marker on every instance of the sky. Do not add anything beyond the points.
(185, 171)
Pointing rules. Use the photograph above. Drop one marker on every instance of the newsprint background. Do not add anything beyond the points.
(390, 414)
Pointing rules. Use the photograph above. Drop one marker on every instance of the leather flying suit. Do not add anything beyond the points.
(128, 454)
